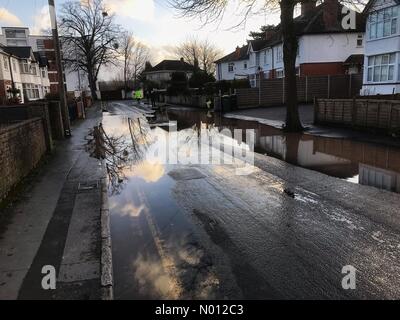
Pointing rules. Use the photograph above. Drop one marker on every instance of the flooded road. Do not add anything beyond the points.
(213, 231)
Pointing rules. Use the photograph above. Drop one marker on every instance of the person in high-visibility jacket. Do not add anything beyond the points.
(138, 95)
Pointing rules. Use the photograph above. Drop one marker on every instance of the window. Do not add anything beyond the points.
(43, 73)
(257, 59)
(279, 55)
(360, 40)
(14, 66)
(15, 33)
(40, 44)
(24, 66)
(230, 67)
(265, 57)
(245, 65)
(280, 73)
(382, 23)
(381, 68)
(33, 69)
(5, 63)
(31, 91)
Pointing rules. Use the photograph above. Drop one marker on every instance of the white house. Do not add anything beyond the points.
(382, 48)
(21, 37)
(25, 71)
(325, 48)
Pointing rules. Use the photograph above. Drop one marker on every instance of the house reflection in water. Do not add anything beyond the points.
(364, 163)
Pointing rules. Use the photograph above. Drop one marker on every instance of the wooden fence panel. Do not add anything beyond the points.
(271, 91)
(367, 113)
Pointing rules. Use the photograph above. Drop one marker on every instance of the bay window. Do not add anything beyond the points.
(382, 23)
(381, 68)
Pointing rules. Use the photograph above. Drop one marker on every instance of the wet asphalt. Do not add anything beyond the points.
(275, 231)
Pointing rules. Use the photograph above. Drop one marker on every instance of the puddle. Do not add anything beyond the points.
(157, 250)
(356, 162)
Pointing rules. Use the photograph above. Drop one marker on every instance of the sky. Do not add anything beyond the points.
(152, 22)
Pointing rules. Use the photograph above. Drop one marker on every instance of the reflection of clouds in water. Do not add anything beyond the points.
(148, 171)
(153, 280)
(131, 210)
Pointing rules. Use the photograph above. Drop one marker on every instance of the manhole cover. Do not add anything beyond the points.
(186, 174)
(88, 185)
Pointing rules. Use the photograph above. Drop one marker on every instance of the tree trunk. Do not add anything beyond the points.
(125, 79)
(92, 85)
(290, 46)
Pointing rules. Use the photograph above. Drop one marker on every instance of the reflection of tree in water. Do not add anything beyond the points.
(119, 151)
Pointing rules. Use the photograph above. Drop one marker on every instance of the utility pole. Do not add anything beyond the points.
(60, 71)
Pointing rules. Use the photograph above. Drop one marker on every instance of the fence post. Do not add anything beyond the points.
(307, 89)
(329, 86)
(283, 85)
(350, 84)
(316, 110)
(390, 116)
(378, 115)
(354, 113)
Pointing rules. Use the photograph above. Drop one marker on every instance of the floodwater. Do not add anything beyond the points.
(161, 252)
(358, 162)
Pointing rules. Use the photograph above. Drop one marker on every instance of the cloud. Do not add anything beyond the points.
(135, 9)
(9, 19)
(41, 21)
(149, 171)
(131, 210)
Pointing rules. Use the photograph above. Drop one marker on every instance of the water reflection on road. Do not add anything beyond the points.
(358, 162)
(158, 252)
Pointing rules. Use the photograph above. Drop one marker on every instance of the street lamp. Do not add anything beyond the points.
(57, 49)
(77, 59)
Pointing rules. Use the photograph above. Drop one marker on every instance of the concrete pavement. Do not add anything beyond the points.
(57, 222)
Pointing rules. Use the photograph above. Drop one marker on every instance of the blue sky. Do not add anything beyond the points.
(153, 22)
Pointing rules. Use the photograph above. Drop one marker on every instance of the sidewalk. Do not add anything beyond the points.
(275, 117)
(57, 222)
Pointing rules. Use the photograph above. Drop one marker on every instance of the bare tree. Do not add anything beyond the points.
(213, 11)
(141, 55)
(203, 52)
(89, 38)
(126, 51)
(134, 56)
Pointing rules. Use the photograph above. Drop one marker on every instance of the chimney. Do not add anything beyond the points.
(330, 13)
(269, 34)
(308, 7)
(237, 52)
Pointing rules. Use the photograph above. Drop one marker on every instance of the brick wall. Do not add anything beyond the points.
(316, 69)
(22, 145)
(271, 91)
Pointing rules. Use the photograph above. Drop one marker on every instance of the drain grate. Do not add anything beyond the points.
(88, 185)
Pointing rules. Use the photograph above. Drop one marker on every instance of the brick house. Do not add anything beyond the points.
(325, 48)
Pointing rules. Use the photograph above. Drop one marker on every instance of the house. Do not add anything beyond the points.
(162, 72)
(325, 48)
(25, 71)
(44, 45)
(234, 65)
(382, 48)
